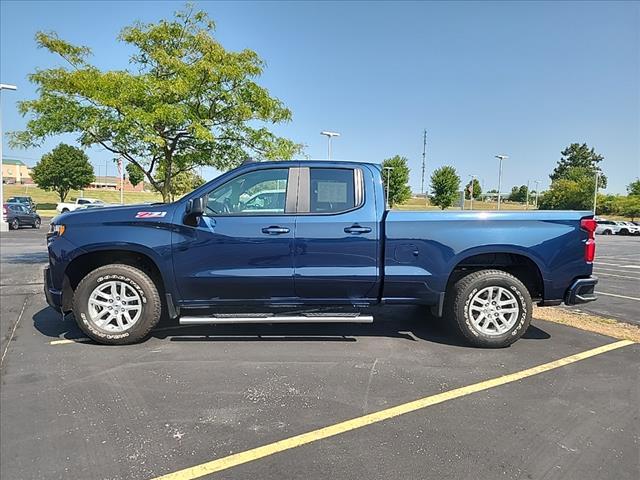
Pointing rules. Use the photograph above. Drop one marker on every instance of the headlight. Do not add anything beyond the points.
(55, 229)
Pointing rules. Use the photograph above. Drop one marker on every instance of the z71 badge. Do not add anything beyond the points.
(150, 214)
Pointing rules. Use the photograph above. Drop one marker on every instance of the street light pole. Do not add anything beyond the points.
(3, 225)
(527, 205)
(388, 169)
(473, 184)
(595, 193)
(329, 136)
(537, 182)
(501, 158)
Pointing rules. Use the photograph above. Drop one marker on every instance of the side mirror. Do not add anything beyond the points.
(195, 207)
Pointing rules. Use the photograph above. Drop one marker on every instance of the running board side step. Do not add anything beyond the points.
(268, 318)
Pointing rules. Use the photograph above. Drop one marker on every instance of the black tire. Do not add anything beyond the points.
(64, 210)
(36, 223)
(135, 278)
(623, 231)
(607, 232)
(14, 225)
(462, 293)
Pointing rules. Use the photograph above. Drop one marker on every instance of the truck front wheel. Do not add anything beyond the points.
(490, 308)
(117, 304)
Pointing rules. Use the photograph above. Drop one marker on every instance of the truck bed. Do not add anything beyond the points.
(421, 249)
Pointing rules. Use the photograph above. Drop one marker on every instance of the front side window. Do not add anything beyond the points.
(262, 192)
(331, 189)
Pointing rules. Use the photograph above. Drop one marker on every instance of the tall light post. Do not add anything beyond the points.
(388, 169)
(329, 136)
(3, 225)
(473, 184)
(501, 158)
(595, 193)
(537, 182)
(527, 201)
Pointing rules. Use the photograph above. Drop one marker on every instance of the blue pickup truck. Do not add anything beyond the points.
(311, 241)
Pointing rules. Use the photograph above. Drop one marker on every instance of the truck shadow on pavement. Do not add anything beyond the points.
(409, 323)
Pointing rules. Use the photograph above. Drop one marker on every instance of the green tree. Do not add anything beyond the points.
(573, 191)
(398, 178)
(477, 189)
(608, 204)
(135, 174)
(184, 102)
(64, 168)
(634, 187)
(185, 182)
(579, 156)
(630, 206)
(445, 186)
(518, 194)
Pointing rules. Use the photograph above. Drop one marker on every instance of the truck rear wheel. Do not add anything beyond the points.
(117, 304)
(490, 308)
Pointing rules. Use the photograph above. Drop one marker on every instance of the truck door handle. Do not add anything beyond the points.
(273, 230)
(357, 229)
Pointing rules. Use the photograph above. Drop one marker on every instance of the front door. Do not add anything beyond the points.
(241, 250)
(336, 236)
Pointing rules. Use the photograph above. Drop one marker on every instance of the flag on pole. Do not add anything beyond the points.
(121, 175)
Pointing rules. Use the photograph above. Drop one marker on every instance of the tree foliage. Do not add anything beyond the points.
(398, 178)
(64, 168)
(477, 189)
(445, 186)
(518, 194)
(630, 206)
(579, 156)
(626, 206)
(634, 187)
(184, 182)
(573, 191)
(135, 174)
(184, 102)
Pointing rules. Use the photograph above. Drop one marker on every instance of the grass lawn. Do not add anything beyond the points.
(47, 201)
(419, 204)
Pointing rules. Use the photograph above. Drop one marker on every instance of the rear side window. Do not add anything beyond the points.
(331, 190)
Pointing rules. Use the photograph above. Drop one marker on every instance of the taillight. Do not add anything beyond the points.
(589, 225)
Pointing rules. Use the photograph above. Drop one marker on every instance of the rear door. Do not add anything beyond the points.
(337, 237)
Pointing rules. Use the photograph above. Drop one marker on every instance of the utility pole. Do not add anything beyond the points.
(527, 205)
(424, 160)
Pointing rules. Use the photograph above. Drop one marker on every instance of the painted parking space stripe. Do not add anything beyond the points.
(599, 273)
(619, 296)
(66, 341)
(240, 458)
(616, 265)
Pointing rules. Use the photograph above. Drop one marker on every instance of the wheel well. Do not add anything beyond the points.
(88, 262)
(521, 267)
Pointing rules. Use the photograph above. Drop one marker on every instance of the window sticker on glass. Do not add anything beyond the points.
(334, 192)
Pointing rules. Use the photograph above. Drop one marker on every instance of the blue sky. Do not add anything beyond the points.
(524, 79)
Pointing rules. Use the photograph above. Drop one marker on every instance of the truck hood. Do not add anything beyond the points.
(118, 213)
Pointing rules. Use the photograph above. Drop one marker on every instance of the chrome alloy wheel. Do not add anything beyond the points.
(114, 306)
(493, 310)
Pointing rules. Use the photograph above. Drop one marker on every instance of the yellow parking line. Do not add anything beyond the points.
(67, 340)
(359, 422)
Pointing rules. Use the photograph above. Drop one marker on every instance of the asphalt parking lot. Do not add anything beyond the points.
(235, 399)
